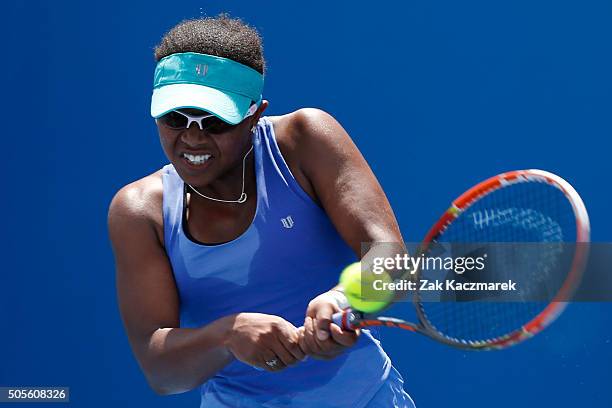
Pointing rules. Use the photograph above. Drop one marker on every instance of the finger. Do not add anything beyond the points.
(301, 341)
(283, 354)
(306, 350)
(291, 344)
(325, 346)
(325, 350)
(327, 356)
(329, 350)
(310, 337)
(345, 338)
(323, 320)
(271, 362)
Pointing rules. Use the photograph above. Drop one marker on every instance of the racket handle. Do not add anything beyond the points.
(337, 319)
(345, 319)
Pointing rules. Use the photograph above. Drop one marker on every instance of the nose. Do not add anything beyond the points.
(193, 136)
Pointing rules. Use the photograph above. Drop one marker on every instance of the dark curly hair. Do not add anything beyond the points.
(221, 36)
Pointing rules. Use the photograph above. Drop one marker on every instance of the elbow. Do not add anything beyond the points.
(160, 379)
(162, 390)
(157, 384)
(165, 387)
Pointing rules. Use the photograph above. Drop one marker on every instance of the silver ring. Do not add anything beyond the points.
(272, 363)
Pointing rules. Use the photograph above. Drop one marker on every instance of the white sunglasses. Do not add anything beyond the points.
(180, 120)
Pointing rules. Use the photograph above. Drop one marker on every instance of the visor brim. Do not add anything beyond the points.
(228, 106)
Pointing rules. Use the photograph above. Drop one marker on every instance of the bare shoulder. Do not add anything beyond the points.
(139, 202)
(343, 181)
(304, 125)
(304, 134)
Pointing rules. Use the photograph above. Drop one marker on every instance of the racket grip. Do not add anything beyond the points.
(337, 319)
(344, 319)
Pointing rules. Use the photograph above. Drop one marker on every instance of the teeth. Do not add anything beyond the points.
(196, 159)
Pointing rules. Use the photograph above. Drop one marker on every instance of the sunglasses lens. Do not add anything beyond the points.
(215, 125)
(173, 120)
(210, 124)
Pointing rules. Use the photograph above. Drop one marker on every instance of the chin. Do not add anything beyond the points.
(195, 177)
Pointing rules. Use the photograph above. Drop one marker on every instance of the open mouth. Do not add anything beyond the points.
(197, 159)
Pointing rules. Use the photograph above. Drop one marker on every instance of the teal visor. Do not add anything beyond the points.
(217, 85)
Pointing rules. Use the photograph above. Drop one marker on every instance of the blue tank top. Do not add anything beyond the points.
(289, 254)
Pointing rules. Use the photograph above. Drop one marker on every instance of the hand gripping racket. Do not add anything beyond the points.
(519, 207)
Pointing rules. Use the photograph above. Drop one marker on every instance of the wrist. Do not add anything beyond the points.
(226, 330)
(338, 294)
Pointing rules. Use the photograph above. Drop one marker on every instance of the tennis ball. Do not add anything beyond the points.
(360, 290)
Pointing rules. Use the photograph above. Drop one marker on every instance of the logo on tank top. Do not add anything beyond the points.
(287, 222)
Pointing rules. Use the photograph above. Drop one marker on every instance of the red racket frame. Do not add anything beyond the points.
(354, 319)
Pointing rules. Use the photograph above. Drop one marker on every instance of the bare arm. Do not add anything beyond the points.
(173, 359)
(343, 181)
(355, 203)
(178, 359)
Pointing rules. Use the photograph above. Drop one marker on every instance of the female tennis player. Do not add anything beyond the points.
(227, 258)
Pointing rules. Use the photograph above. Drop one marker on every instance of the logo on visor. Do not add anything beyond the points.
(201, 69)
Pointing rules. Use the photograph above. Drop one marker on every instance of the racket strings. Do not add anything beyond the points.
(530, 220)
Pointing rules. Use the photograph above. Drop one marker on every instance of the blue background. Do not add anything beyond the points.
(437, 95)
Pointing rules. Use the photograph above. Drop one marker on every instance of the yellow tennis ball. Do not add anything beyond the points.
(364, 290)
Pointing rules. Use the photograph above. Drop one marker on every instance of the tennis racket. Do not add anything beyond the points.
(526, 206)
